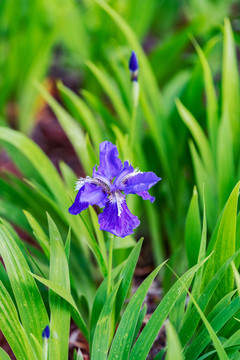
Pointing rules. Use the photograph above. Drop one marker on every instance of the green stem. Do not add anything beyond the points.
(45, 349)
(110, 253)
(135, 98)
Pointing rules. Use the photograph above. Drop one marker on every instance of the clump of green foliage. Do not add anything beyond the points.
(59, 279)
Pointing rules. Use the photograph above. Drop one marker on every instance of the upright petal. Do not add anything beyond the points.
(126, 170)
(89, 194)
(110, 164)
(120, 223)
(140, 182)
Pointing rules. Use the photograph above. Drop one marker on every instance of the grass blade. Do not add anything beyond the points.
(212, 107)
(204, 338)
(12, 328)
(199, 137)
(193, 230)
(230, 87)
(102, 332)
(224, 246)
(60, 309)
(174, 349)
(4, 355)
(61, 291)
(30, 304)
(192, 317)
(123, 339)
(150, 331)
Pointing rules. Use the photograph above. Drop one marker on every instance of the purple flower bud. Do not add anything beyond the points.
(46, 332)
(133, 66)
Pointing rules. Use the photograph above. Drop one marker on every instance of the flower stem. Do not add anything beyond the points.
(135, 99)
(45, 349)
(110, 253)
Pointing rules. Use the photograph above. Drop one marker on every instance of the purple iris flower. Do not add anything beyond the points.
(108, 187)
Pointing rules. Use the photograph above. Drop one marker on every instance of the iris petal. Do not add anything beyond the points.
(126, 170)
(146, 196)
(119, 225)
(110, 164)
(89, 194)
(140, 182)
(94, 195)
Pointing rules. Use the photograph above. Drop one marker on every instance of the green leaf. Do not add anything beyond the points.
(82, 114)
(229, 345)
(12, 328)
(204, 338)
(68, 245)
(174, 349)
(99, 234)
(30, 304)
(218, 346)
(140, 320)
(126, 274)
(150, 331)
(201, 255)
(111, 91)
(60, 309)
(193, 230)
(122, 341)
(102, 331)
(77, 355)
(236, 276)
(225, 160)
(192, 318)
(69, 178)
(39, 234)
(106, 116)
(224, 246)
(160, 355)
(212, 107)
(61, 291)
(199, 137)
(203, 177)
(4, 355)
(70, 126)
(35, 163)
(230, 86)
(92, 243)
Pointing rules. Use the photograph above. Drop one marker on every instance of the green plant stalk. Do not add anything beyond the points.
(135, 99)
(45, 349)
(110, 253)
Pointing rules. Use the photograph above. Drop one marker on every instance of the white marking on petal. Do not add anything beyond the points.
(117, 197)
(99, 181)
(128, 176)
(102, 179)
(81, 181)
